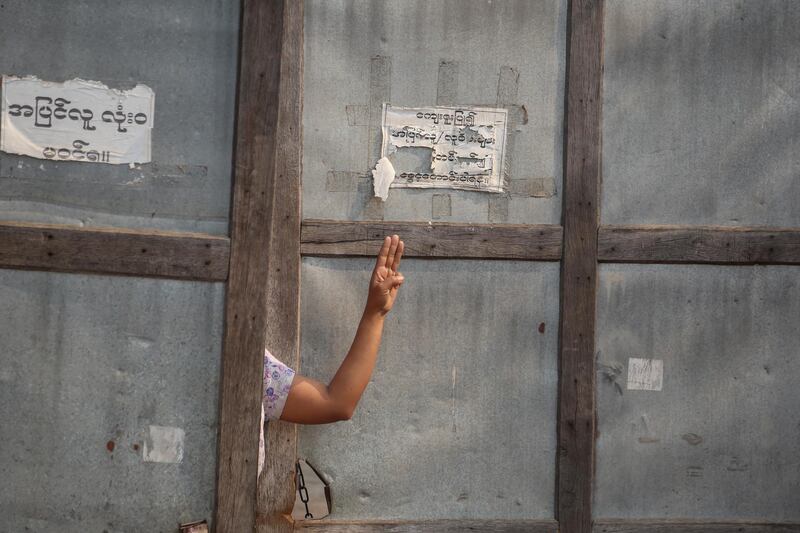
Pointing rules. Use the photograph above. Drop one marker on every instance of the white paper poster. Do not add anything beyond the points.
(461, 147)
(76, 120)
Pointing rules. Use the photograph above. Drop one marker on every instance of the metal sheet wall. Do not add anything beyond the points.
(87, 365)
(362, 53)
(186, 51)
(700, 112)
(720, 439)
(459, 419)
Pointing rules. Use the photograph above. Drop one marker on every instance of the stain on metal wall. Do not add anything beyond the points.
(186, 51)
(362, 53)
(719, 440)
(701, 112)
(459, 418)
(108, 401)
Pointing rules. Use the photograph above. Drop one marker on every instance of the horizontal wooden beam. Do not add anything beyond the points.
(699, 244)
(437, 239)
(149, 253)
(429, 526)
(691, 526)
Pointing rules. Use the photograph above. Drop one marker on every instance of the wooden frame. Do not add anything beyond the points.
(252, 231)
(429, 526)
(190, 256)
(576, 391)
(699, 244)
(276, 486)
(445, 240)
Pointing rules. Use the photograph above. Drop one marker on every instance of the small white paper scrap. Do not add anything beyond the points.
(645, 374)
(382, 177)
(163, 444)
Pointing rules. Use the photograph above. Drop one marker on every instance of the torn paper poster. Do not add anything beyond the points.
(76, 120)
(645, 374)
(163, 444)
(445, 147)
(382, 177)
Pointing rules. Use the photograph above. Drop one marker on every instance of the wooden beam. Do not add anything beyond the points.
(429, 526)
(699, 244)
(151, 253)
(692, 526)
(576, 403)
(450, 240)
(276, 487)
(254, 185)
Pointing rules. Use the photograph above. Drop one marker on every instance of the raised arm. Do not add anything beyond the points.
(312, 402)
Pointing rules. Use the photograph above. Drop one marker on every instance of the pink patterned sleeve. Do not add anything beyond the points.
(277, 382)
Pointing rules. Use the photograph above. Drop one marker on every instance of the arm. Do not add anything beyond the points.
(312, 402)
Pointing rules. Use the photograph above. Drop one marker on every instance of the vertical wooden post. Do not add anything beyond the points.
(582, 178)
(276, 487)
(253, 202)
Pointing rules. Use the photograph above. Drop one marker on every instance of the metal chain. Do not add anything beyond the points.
(301, 488)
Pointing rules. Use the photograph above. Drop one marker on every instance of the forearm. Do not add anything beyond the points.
(350, 381)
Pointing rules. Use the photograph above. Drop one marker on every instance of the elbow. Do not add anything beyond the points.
(344, 413)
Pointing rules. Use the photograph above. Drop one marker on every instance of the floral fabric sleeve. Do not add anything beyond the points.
(277, 382)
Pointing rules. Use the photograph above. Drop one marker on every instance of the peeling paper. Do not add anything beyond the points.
(382, 177)
(163, 444)
(77, 120)
(467, 146)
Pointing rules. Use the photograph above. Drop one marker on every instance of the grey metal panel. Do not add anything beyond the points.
(701, 112)
(720, 440)
(415, 53)
(90, 360)
(186, 50)
(459, 419)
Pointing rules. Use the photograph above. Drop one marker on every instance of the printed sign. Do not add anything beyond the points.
(463, 147)
(76, 120)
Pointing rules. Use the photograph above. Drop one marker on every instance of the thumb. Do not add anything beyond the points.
(397, 280)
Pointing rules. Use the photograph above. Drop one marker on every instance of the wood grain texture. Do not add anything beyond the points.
(251, 236)
(430, 526)
(478, 241)
(699, 244)
(150, 253)
(691, 526)
(276, 487)
(582, 178)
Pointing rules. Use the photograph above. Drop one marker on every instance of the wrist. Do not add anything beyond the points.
(373, 315)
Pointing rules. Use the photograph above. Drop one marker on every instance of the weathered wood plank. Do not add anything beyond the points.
(430, 526)
(699, 244)
(276, 488)
(691, 526)
(576, 407)
(151, 253)
(450, 240)
(251, 236)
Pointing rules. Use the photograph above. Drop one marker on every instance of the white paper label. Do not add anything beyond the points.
(76, 120)
(645, 374)
(163, 444)
(464, 147)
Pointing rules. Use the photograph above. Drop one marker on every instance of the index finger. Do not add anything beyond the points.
(383, 254)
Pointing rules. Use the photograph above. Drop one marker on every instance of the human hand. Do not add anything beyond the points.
(385, 277)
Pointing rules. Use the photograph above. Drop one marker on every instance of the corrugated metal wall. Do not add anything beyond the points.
(88, 363)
